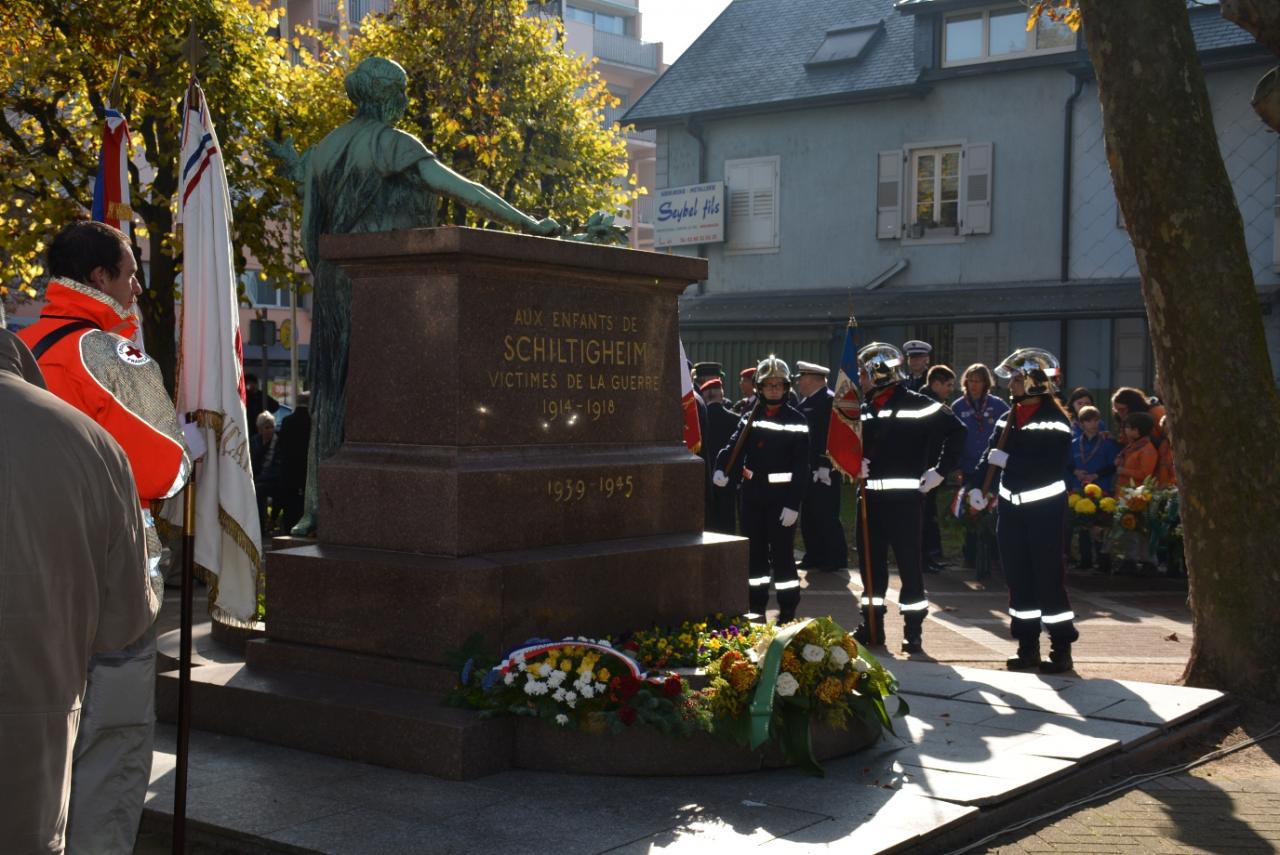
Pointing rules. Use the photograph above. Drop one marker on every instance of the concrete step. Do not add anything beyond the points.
(393, 726)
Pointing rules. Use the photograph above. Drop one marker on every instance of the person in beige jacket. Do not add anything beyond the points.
(73, 582)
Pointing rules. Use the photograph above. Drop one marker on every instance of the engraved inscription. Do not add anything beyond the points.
(589, 359)
(566, 490)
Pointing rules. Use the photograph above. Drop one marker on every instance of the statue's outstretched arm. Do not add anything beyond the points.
(444, 180)
(292, 165)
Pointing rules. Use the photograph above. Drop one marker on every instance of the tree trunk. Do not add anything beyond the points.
(1206, 329)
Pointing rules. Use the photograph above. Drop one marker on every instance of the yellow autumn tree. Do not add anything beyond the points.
(56, 65)
(495, 96)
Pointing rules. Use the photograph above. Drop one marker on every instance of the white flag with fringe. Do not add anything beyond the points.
(228, 539)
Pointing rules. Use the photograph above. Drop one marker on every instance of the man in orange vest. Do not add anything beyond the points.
(82, 343)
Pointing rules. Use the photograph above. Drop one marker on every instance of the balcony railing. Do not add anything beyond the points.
(642, 210)
(356, 10)
(613, 115)
(625, 50)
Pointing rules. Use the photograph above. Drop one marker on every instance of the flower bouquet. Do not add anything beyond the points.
(765, 684)
(1090, 506)
(809, 670)
(693, 644)
(579, 683)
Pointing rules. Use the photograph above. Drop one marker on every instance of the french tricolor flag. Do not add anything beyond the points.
(689, 405)
(111, 188)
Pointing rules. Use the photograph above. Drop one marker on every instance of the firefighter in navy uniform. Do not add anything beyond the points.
(899, 427)
(773, 465)
(722, 502)
(824, 542)
(1032, 506)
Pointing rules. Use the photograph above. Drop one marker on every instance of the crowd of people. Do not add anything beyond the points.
(769, 473)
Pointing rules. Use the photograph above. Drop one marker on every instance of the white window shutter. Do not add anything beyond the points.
(753, 216)
(889, 195)
(976, 189)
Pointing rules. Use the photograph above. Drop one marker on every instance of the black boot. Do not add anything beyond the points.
(1028, 656)
(863, 632)
(1059, 660)
(912, 634)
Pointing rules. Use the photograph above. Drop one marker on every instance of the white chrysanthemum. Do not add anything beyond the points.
(557, 677)
(558, 694)
(813, 653)
(562, 719)
(839, 656)
(787, 685)
(862, 666)
(571, 698)
(510, 678)
(600, 688)
(588, 692)
(518, 658)
(545, 669)
(535, 687)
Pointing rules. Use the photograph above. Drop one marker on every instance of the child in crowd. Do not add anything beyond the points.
(1093, 455)
(1137, 461)
(1080, 398)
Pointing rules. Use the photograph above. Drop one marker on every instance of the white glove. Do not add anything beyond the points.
(789, 517)
(822, 475)
(996, 457)
(720, 479)
(195, 440)
(977, 501)
(865, 473)
(929, 480)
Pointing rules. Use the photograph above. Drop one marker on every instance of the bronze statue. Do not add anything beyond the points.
(367, 176)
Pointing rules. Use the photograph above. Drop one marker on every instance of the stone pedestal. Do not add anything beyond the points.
(512, 467)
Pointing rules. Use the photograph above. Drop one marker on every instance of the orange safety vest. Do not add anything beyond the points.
(89, 362)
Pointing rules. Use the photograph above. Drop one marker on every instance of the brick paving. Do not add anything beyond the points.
(1130, 628)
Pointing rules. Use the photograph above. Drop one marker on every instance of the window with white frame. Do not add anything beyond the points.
(752, 188)
(1001, 33)
(934, 191)
(263, 292)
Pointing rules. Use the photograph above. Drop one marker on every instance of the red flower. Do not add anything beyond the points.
(628, 715)
(630, 645)
(671, 688)
(627, 688)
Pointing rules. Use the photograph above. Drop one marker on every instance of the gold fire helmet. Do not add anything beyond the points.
(773, 368)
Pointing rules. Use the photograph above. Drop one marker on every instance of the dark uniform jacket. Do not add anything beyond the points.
(774, 457)
(817, 409)
(1039, 451)
(721, 423)
(897, 437)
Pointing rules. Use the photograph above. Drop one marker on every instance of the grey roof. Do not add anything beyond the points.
(1024, 300)
(754, 55)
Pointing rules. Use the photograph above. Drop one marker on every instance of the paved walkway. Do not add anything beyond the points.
(978, 742)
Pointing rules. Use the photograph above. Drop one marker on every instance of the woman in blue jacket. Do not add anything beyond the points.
(979, 410)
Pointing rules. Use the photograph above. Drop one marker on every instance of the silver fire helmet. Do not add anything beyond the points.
(883, 364)
(1040, 368)
(773, 368)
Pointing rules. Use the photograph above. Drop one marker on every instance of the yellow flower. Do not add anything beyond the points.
(1072, 499)
(1107, 505)
(1093, 491)
(742, 675)
(603, 675)
(790, 663)
(714, 644)
(830, 690)
(1086, 506)
(566, 666)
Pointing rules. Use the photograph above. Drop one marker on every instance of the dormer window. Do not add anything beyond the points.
(991, 35)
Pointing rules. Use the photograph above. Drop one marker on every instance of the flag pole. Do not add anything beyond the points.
(864, 554)
(184, 666)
